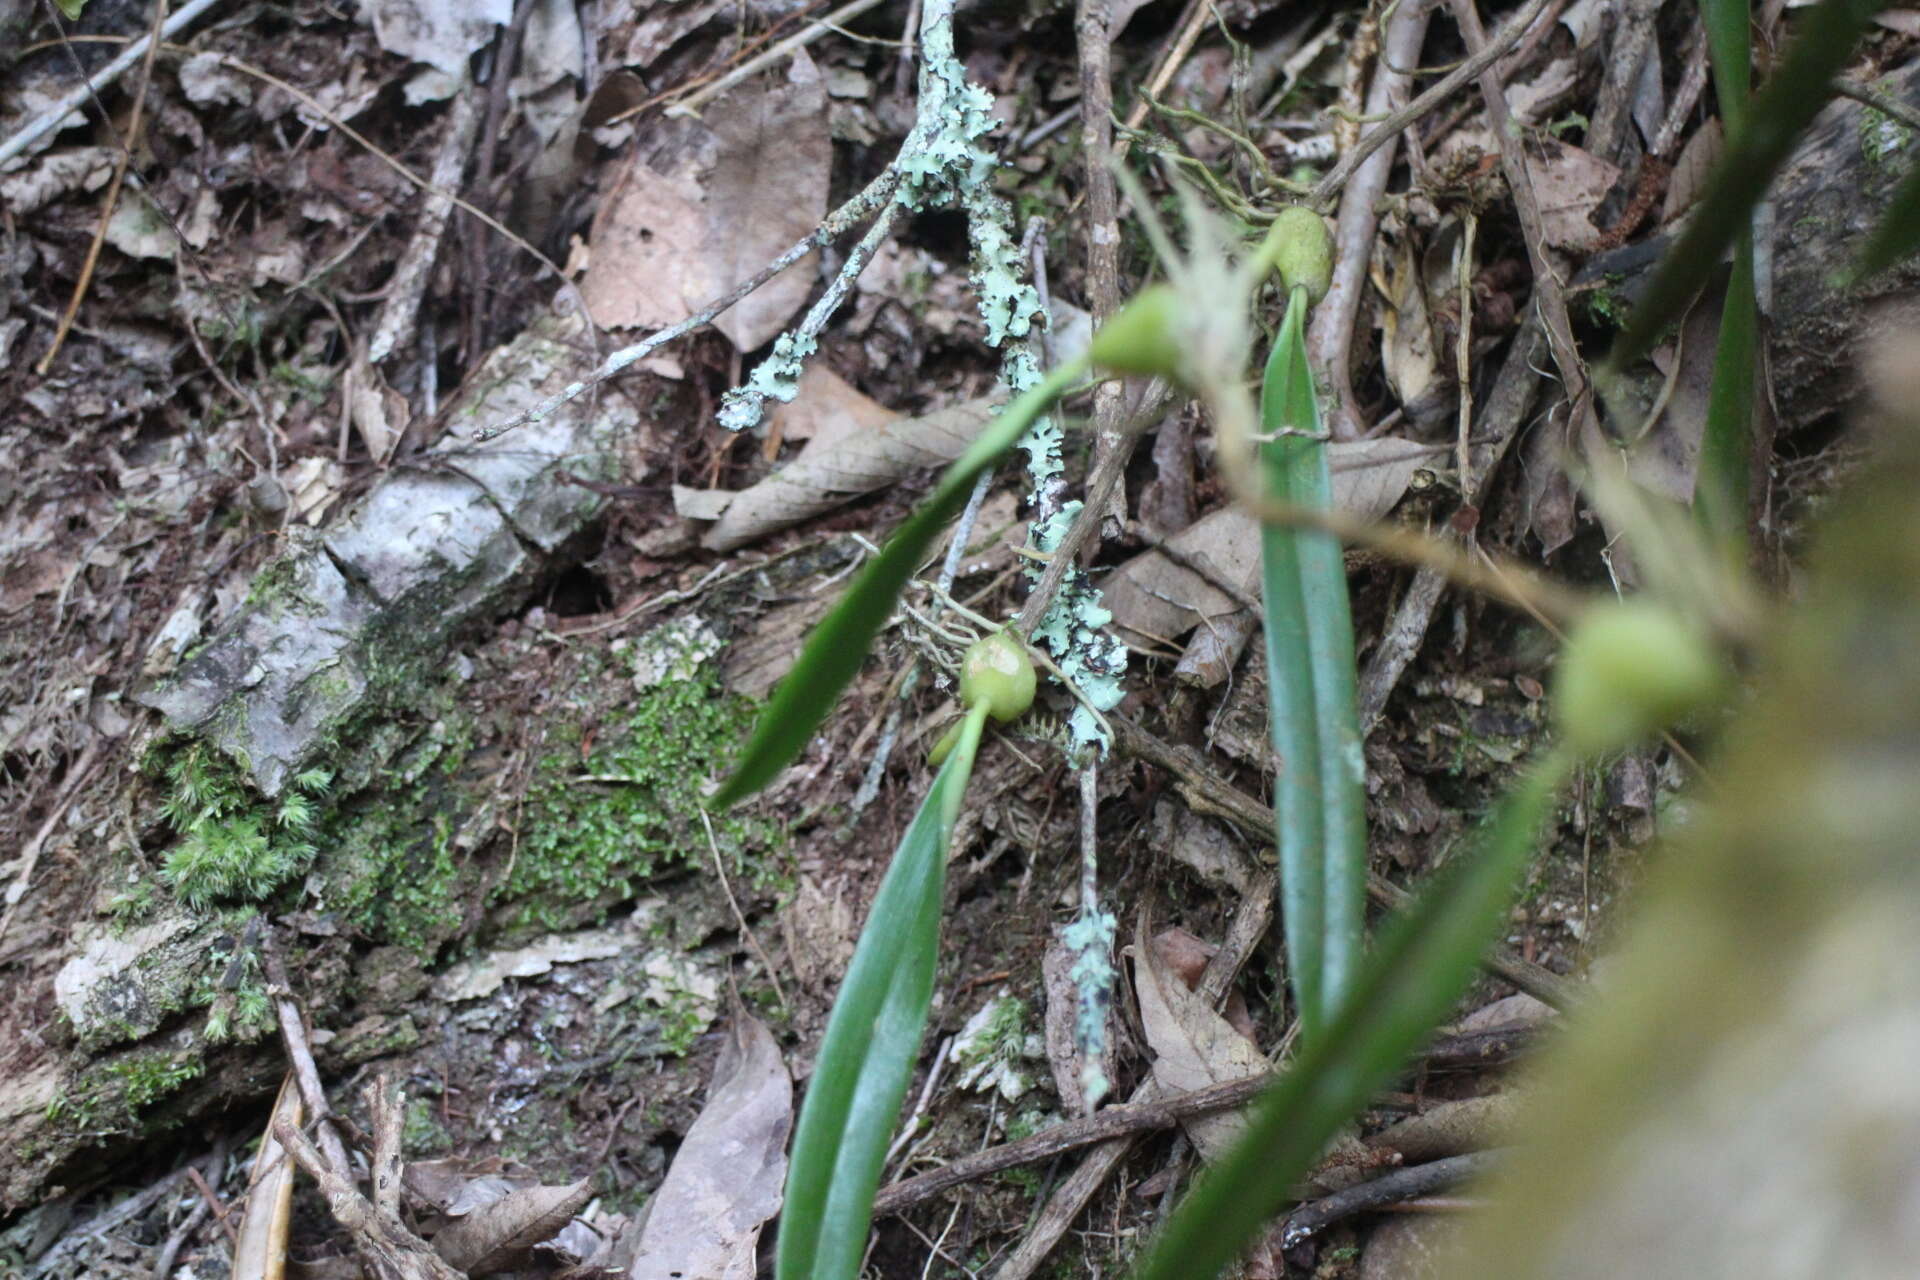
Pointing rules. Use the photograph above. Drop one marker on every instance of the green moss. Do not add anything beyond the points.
(421, 1133)
(1883, 140)
(391, 868)
(1605, 305)
(275, 582)
(596, 828)
(110, 1095)
(1002, 1038)
(233, 990)
(234, 845)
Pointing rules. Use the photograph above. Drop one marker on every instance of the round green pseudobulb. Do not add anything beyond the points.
(1630, 669)
(1302, 251)
(998, 672)
(1143, 337)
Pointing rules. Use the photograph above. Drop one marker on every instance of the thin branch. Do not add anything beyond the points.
(1402, 1184)
(691, 104)
(385, 1243)
(1885, 104)
(112, 199)
(1100, 488)
(53, 117)
(1549, 295)
(746, 930)
(870, 200)
(1388, 129)
(1119, 1121)
(300, 1057)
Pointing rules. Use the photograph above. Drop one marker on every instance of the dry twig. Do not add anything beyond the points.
(385, 1244)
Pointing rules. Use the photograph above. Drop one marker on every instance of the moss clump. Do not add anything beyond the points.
(1604, 304)
(1884, 141)
(392, 869)
(109, 1097)
(234, 846)
(233, 989)
(595, 829)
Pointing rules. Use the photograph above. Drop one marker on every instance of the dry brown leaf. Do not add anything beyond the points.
(1154, 598)
(500, 1235)
(1693, 170)
(725, 1182)
(1665, 457)
(661, 26)
(1193, 1046)
(53, 176)
(380, 414)
(1569, 184)
(260, 1252)
(646, 270)
(456, 1186)
(825, 475)
(1451, 1127)
(827, 408)
(440, 33)
(1904, 21)
(756, 661)
(768, 190)
(1407, 355)
(754, 183)
(820, 930)
(700, 504)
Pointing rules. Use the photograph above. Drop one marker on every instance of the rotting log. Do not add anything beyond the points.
(450, 536)
(339, 636)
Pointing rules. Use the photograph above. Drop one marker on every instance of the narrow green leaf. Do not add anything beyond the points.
(1720, 491)
(839, 644)
(873, 1037)
(1793, 95)
(1726, 449)
(1730, 45)
(1422, 964)
(1319, 795)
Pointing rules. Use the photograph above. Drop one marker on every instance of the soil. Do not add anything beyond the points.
(481, 854)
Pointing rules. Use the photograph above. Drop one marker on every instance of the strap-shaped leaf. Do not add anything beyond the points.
(1729, 26)
(1793, 95)
(1726, 454)
(1726, 447)
(1423, 962)
(1319, 795)
(873, 1037)
(839, 644)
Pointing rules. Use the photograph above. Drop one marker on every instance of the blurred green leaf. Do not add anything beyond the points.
(1319, 794)
(1726, 452)
(1793, 95)
(1730, 45)
(1726, 447)
(1422, 964)
(839, 644)
(873, 1037)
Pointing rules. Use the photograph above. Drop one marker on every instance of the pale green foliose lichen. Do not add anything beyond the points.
(1090, 938)
(1073, 630)
(775, 378)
